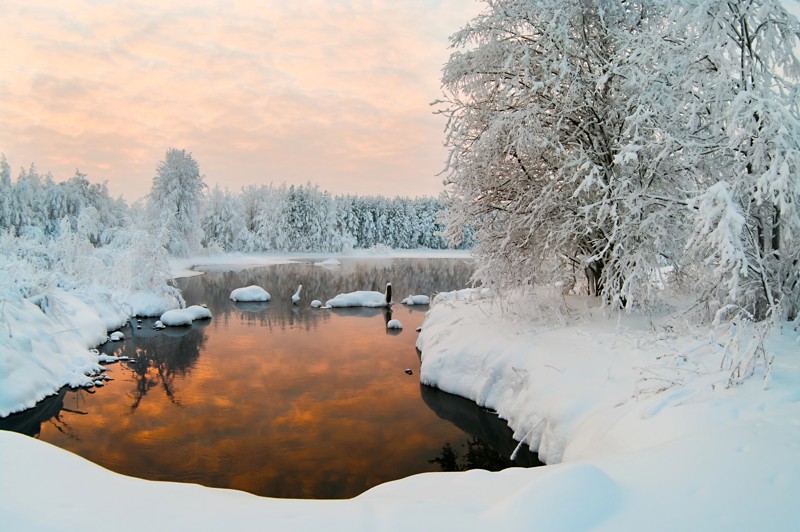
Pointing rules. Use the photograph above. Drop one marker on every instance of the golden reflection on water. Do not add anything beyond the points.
(272, 399)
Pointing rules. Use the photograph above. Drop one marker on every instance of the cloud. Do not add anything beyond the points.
(335, 92)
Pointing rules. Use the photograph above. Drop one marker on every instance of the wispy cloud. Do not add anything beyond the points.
(335, 92)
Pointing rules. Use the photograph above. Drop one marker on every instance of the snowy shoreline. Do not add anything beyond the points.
(588, 391)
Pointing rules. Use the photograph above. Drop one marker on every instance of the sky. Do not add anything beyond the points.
(335, 92)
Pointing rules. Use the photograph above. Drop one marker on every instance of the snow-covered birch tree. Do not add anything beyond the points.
(175, 200)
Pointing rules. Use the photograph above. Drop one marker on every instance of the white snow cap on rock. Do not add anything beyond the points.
(249, 294)
(361, 298)
(417, 300)
(185, 316)
(394, 324)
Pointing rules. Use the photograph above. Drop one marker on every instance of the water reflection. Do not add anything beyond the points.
(275, 399)
(161, 357)
(492, 443)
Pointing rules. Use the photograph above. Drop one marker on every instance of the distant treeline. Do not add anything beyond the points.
(256, 218)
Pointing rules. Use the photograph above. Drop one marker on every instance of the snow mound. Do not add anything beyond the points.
(394, 324)
(361, 298)
(116, 336)
(316, 303)
(466, 294)
(417, 300)
(148, 304)
(185, 316)
(250, 294)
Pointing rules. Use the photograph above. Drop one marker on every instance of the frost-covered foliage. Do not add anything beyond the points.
(37, 203)
(624, 137)
(739, 77)
(223, 221)
(306, 219)
(175, 200)
(73, 236)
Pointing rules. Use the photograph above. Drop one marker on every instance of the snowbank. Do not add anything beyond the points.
(46, 346)
(597, 385)
(741, 477)
(250, 294)
(148, 304)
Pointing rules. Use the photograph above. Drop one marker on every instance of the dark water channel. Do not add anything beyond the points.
(276, 399)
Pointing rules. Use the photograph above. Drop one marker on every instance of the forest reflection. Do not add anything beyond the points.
(271, 398)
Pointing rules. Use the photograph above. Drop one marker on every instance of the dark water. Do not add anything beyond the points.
(276, 399)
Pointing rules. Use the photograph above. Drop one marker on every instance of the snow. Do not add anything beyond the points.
(394, 324)
(250, 294)
(116, 336)
(635, 414)
(45, 346)
(180, 317)
(417, 300)
(360, 298)
(316, 303)
(148, 304)
(329, 263)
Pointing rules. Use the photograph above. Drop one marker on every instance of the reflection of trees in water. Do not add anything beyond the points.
(48, 410)
(408, 276)
(158, 358)
(478, 455)
(492, 442)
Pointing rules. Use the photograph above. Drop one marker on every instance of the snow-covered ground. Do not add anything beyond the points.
(635, 413)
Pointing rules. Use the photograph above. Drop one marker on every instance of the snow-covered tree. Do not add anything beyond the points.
(223, 221)
(739, 77)
(5, 193)
(542, 159)
(599, 132)
(175, 200)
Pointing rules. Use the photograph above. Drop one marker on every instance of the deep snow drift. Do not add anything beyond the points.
(637, 414)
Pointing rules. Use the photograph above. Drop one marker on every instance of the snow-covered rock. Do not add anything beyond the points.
(316, 303)
(417, 300)
(250, 293)
(361, 298)
(394, 324)
(185, 316)
(116, 336)
(296, 295)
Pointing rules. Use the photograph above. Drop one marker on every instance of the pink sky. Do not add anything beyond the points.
(332, 92)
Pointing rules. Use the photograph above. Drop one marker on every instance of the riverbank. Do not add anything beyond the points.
(637, 414)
